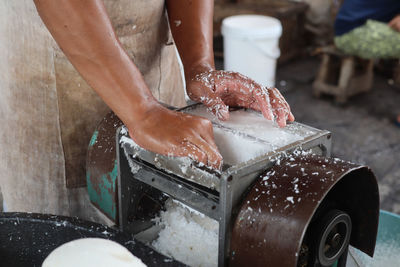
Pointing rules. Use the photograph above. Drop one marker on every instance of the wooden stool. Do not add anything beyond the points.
(342, 75)
(396, 74)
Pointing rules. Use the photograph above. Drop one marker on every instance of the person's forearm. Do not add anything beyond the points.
(192, 28)
(84, 32)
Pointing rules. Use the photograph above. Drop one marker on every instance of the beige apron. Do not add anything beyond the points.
(47, 111)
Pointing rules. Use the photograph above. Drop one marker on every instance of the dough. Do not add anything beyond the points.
(88, 252)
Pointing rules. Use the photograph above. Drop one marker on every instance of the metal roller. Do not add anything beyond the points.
(305, 212)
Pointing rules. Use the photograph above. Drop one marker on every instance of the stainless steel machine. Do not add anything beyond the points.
(289, 205)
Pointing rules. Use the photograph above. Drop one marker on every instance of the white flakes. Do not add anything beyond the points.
(290, 199)
(187, 236)
(296, 188)
(177, 23)
(124, 130)
(134, 166)
(129, 141)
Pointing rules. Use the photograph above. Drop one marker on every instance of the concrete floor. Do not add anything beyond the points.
(363, 130)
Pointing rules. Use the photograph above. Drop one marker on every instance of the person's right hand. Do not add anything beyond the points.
(173, 133)
(395, 23)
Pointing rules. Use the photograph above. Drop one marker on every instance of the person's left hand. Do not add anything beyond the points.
(219, 89)
(395, 23)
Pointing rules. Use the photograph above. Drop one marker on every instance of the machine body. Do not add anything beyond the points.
(271, 209)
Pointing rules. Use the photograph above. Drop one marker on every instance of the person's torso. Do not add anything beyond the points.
(354, 13)
(48, 112)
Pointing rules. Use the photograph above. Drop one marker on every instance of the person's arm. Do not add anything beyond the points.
(84, 32)
(192, 28)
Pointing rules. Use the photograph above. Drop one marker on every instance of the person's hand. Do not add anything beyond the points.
(395, 23)
(172, 133)
(219, 89)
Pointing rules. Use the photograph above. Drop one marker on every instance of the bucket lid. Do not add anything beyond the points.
(251, 26)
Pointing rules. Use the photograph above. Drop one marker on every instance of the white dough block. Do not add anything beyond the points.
(234, 146)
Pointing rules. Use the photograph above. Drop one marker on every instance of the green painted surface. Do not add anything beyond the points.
(103, 197)
(94, 138)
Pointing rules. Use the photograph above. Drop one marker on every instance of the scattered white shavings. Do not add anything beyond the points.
(296, 189)
(124, 130)
(184, 168)
(268, 175)
(134, 166)
(290, 199)
(177, 23)
(187, 236)
(301, 152)
(129, 141)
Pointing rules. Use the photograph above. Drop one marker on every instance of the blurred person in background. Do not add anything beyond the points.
(370, 29)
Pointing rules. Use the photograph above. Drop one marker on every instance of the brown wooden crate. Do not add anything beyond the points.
(291, 14)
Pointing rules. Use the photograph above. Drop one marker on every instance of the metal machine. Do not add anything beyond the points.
(291, 205)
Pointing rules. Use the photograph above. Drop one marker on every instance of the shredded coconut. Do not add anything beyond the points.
(187, 236)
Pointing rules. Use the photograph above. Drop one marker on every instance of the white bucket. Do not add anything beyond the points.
(251, 46)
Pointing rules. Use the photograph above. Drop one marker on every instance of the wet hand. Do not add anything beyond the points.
(219, 89)
(395, 23)
(172, 133)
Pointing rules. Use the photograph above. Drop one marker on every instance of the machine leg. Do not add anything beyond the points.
(123, 188)
(225, 227)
